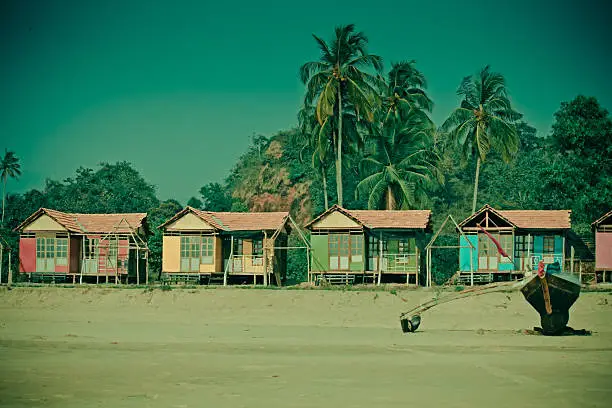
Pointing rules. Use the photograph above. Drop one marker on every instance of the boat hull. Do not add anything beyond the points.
(563, 293)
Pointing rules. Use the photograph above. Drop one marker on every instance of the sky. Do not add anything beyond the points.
(178, 88)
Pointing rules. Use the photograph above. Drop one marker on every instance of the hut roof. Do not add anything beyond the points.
(528, 219)
(89, 223)
(236, 221)
(391, 219)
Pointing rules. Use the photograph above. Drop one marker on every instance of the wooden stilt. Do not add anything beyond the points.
(380, 258)
(137, 267)
(9, 278)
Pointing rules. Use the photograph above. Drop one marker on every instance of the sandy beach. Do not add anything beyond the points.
(233, 347)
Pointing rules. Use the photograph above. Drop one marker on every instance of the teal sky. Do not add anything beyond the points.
(177, 88)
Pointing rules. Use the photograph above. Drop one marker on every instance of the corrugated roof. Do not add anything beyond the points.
(397, 219)
(539, 219)
(236, 221)
(90, 223)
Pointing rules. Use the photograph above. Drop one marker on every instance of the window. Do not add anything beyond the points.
(200, 249)
(40, 248)
(238, 246)
(549, 244)
(91, 247)
(505, 240)
(257, 252)
(61, 253)
(207, 250)
(523, 246)
(356, 248)
(405, 246)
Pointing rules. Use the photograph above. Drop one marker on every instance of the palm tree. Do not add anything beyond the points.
(403, 91)
(9, 167)
(484, 120)
(339, 80)
(401, 165)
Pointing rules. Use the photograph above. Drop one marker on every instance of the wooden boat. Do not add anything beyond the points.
(552, 295)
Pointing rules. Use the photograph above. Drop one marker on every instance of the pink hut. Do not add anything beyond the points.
(603, 246)
(58, 246)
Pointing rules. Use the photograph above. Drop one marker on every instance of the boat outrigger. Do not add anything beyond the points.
(551, 295)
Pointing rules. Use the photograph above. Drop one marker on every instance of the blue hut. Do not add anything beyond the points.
(527, 236)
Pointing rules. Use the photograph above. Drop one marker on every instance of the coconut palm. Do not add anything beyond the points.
(403, 91)
(401, 165)
(339, 81)
(484, 120)
(9, 167)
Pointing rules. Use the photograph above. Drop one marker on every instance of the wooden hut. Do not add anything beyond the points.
(527, 236)
(61, 246)
(367, 245)
(603, 247)
(228, 247)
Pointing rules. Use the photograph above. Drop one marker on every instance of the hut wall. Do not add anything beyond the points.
(319, 253)
(464, 253)
(603, 251)
(171, 254)
(27, 255)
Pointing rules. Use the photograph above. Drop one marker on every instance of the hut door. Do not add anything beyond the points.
(45, 254)
(190, 254)
(338, 252)
(487, 253)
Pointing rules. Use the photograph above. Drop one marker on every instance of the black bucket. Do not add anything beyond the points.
(409, 325)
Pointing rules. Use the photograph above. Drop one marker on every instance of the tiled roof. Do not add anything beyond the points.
(90, 223)
(398, 219)
(539, 219)
(236, 221)
(249, 221)
(393, 219)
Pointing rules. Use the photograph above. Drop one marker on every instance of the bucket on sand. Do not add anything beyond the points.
(409, 325)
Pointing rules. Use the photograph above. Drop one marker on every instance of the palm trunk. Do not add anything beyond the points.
(476, 185)
(390, 199)
(339, 152)
(3, 198)
(324, 175)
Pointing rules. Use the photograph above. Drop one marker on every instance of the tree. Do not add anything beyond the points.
(484, 120)
(9, 167)
(338, 81)
(404, 91)
(215, 197)
(401, 164)
(195, 203)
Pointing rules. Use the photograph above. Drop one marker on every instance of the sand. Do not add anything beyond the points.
(232, 347)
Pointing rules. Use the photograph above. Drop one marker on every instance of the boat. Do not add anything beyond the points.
(552, 295)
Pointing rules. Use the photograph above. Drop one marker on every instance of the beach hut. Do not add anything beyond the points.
(368, 245)
(60, 246)
(526, 236)
(229, 247)
(603, 246)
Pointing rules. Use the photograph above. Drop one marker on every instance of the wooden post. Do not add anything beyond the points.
(308, 263)
(472, 261)
(529, 253)
(580, 274)
(417, 266)
(1, 259)
(229, 261)
(82, 259)
(265, 269)
(380, 257)
(137, 266)
(147, 267)
(572, 260)
(9, 278)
